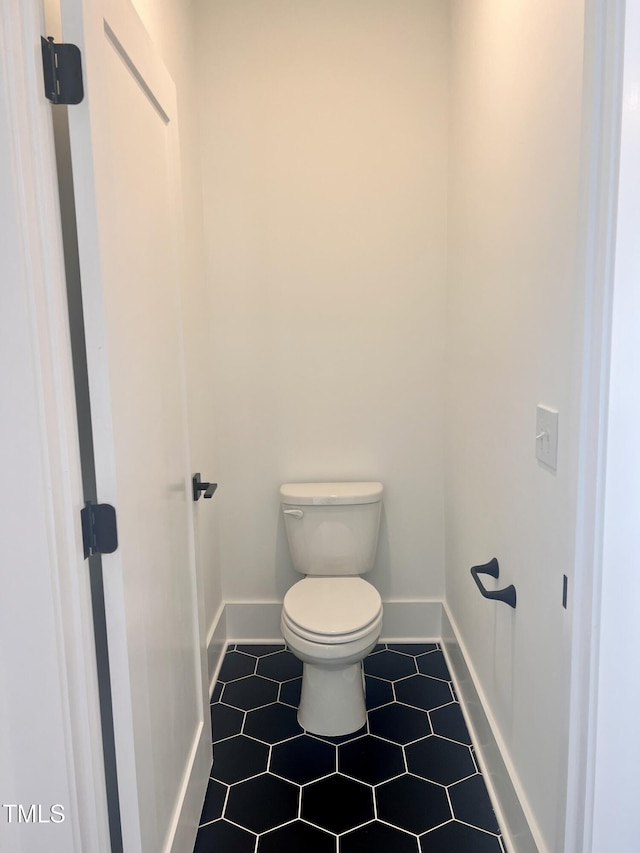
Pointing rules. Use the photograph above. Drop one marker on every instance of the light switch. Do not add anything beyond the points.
(547, 436)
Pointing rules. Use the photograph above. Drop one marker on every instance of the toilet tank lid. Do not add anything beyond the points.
(323, 494)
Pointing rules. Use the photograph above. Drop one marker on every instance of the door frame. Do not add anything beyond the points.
(62, 637)
(602, 107)
(604, 762)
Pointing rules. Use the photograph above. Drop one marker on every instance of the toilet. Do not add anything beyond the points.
(331, 619)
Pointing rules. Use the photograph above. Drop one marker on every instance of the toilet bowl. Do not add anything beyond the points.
(332, 618)
(332, 699)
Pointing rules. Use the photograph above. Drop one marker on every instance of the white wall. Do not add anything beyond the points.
(324, 140)
(514, 326)
(170, 24)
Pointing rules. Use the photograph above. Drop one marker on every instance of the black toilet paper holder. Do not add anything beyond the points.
(508, 594)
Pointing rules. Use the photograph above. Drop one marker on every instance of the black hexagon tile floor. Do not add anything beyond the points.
(408, 781)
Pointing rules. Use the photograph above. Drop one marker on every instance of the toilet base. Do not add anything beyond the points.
(332, 700)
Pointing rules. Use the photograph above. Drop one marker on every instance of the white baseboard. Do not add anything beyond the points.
(216, 645)
(411, 621)
(519, 830)
(253, 621)
(402, 621)
(182, 835)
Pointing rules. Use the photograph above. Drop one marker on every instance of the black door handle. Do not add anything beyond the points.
(199, 486)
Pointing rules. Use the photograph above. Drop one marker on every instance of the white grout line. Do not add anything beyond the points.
(357, 736)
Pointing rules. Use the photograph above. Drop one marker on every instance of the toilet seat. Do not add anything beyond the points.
(332, 610)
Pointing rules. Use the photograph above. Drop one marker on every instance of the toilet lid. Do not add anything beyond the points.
(331, 609)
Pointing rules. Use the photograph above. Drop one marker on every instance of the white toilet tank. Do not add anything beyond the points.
(332, 528)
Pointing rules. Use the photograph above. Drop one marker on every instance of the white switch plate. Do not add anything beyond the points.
(547, 436)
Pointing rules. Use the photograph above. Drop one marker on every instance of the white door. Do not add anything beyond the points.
(124, 150)
(50, 747)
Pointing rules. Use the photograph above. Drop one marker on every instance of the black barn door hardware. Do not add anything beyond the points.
(508, 594)
(199, 486)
